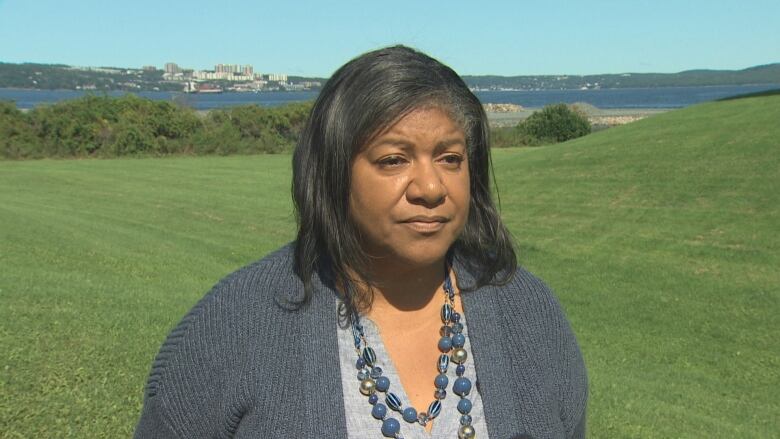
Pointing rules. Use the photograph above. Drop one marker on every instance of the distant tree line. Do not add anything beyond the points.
(101, 126)
(57, 76)
(61, 77)
(765, 74)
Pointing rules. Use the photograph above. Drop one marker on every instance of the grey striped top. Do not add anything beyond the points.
(360, 423)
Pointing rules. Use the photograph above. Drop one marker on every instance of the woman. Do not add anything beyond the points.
(399, 310)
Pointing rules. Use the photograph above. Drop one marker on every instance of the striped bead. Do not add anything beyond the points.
(393, 401)
(444, 363)
(434, 409)
(369, 356)
(446, 313)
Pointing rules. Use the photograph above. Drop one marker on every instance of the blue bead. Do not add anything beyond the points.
(448, 284)
(390, 427)
(445, 344)
(460, 370)
(363, 374)
(393, 401)
(410, 414)
(458, 340)
(446, 312)
(376, 372)
(360, 363)
(464, 406)
(441, 381)
(434, 409)
(457, 328)
(373, 399)
(379, 411)
(382, 384)
(439, 394)
(462, 386)
(455, 317)
(465, 420)
(369, 356)
(444, 362)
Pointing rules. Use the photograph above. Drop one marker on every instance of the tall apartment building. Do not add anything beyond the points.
(280, 77)
(172, 68)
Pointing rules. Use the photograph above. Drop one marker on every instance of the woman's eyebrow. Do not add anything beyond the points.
(450, 142)
(405, 144)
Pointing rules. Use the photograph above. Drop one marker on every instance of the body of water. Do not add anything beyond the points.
(662, 97)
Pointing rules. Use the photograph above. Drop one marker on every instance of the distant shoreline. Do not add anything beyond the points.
(596, 116)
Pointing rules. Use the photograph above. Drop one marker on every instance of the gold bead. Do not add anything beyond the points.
(459, 355)
(467, 432)
(367, 386)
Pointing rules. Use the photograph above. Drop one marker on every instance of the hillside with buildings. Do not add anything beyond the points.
(224, 77)
(244, 78)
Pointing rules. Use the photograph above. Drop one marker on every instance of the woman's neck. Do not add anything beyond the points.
(411, 290)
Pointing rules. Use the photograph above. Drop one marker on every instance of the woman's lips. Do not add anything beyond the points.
(423, 224)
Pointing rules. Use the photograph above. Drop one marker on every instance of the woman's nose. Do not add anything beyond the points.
(426, 185)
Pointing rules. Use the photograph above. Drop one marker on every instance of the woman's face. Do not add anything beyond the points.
(409, 194)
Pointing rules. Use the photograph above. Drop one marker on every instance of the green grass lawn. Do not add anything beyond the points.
(660, 237)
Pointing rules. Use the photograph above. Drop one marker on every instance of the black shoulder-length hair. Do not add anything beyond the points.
(364, 97)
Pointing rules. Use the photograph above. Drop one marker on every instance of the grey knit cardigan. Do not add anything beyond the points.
(242, 364)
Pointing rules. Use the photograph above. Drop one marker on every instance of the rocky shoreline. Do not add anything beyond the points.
(504, 115)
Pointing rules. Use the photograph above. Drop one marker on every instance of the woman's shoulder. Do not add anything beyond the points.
(513, 289)
(204, 358)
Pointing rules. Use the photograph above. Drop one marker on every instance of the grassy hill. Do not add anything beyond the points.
(660, 237)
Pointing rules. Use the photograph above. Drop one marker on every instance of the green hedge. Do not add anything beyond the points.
(101, 126)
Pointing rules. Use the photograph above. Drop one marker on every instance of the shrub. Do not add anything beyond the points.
(554, 123)
(17, 137)
(129, 125)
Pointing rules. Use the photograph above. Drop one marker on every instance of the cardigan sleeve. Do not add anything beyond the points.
(154, 423)
(574, 383)
(193, 390)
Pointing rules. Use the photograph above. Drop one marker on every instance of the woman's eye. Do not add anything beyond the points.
(452, 159)
(391, 161)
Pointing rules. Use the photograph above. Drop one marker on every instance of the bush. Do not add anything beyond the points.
(110, 127)
(554, 123)
(17, 138)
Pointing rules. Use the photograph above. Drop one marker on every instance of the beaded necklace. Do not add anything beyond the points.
(451, 345)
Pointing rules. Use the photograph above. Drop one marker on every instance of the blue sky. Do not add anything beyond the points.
(313, 38)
